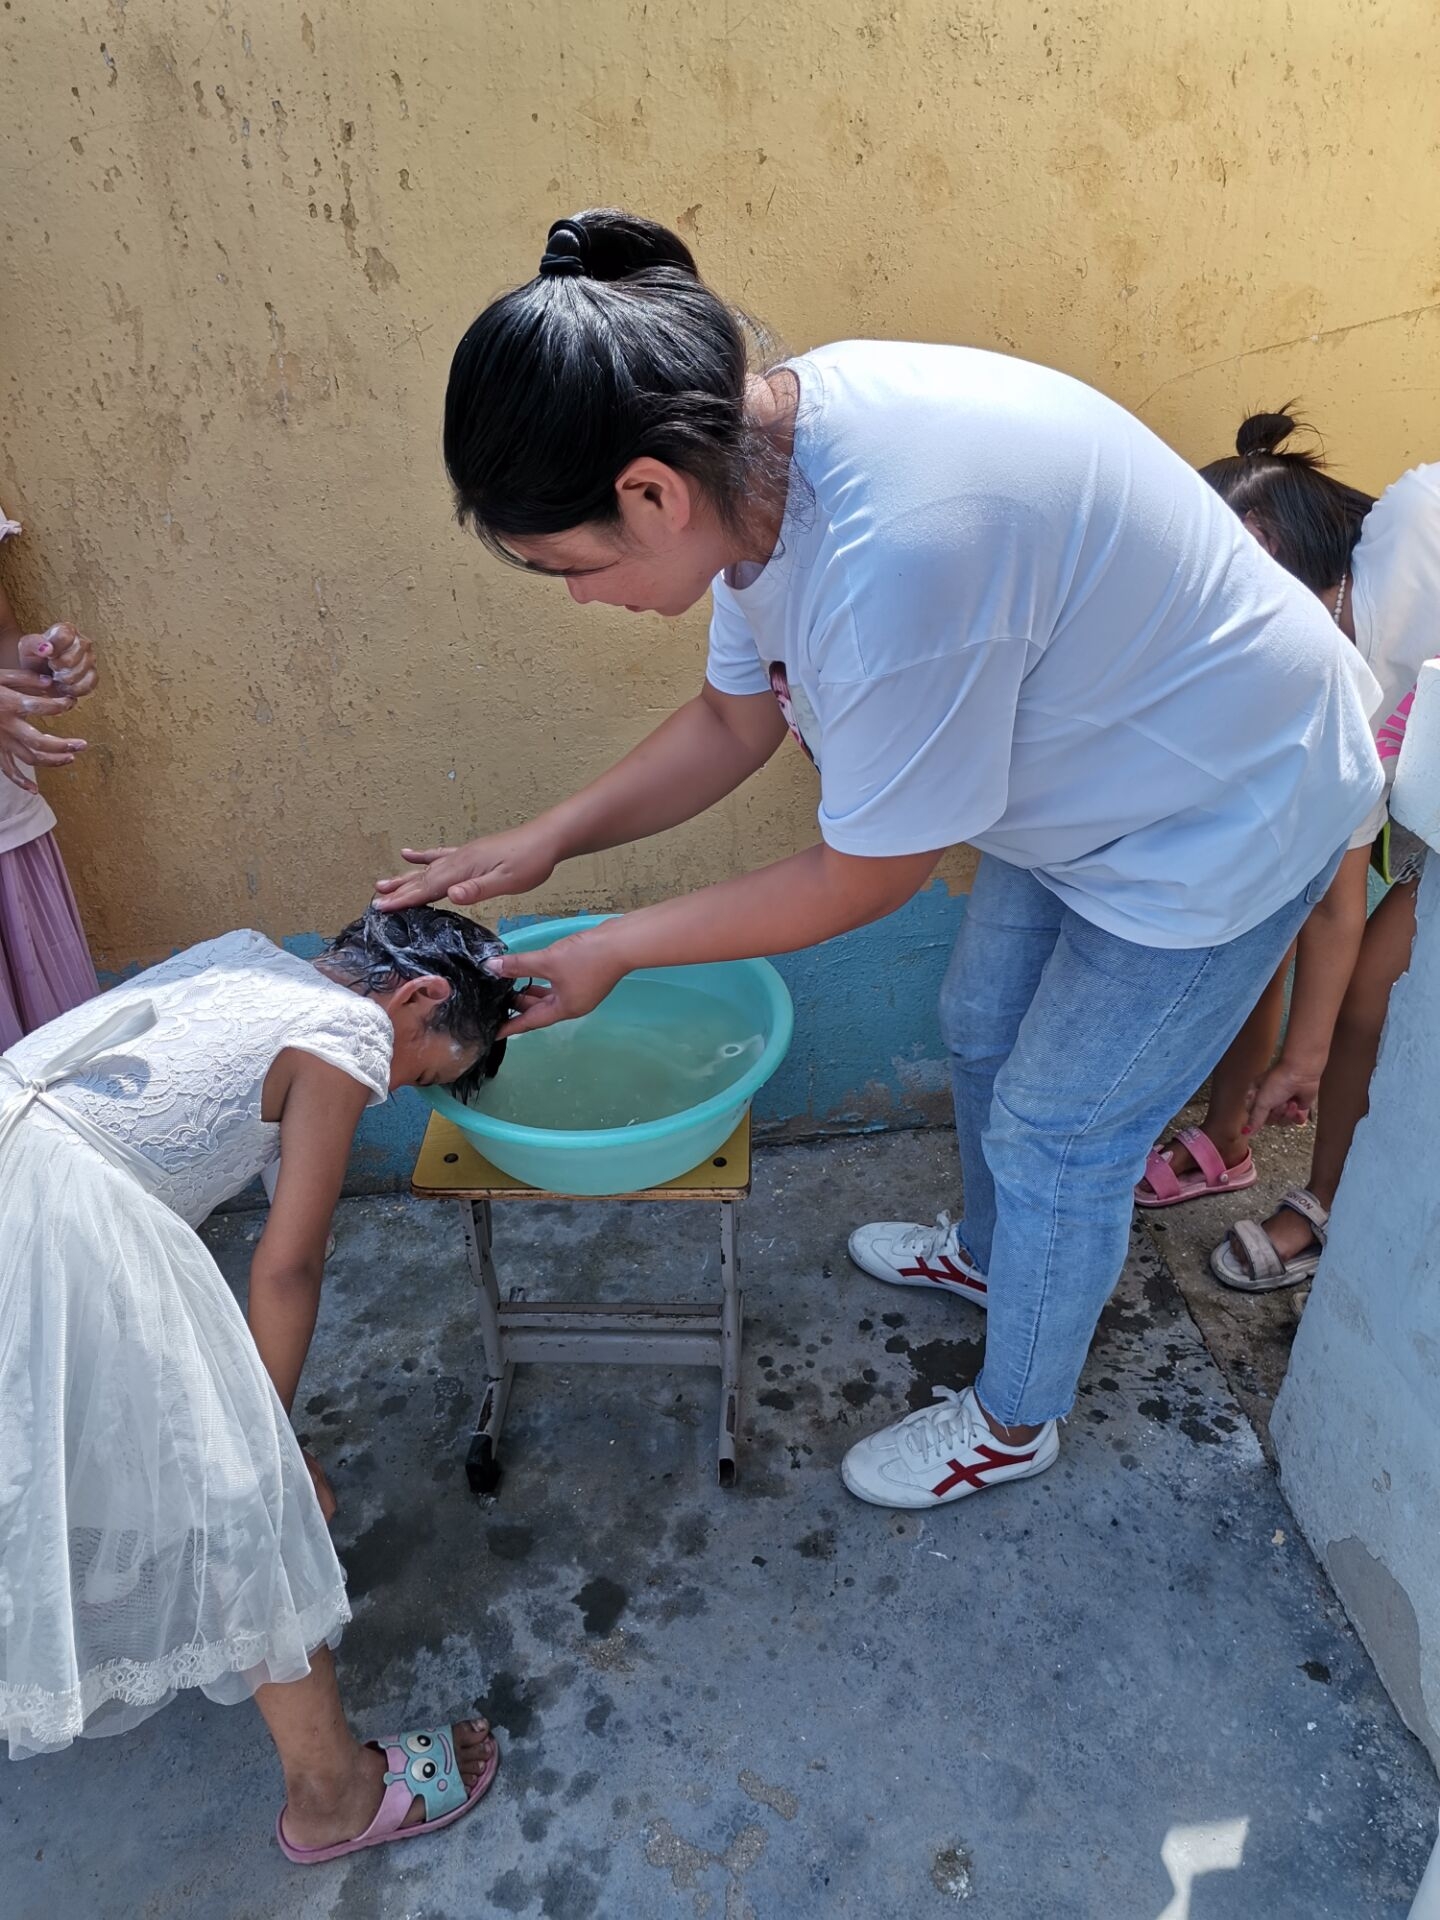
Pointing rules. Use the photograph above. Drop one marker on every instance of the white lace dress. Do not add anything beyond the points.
(158, 1528)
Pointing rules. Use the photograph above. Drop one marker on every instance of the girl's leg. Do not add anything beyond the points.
(1238, 1070)
(1008, 934)
(333, 1783)
(1345, 1089)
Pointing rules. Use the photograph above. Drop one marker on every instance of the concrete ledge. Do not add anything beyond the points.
(1357, 1422)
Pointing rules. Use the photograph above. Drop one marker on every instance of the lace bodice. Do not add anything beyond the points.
(186, 1094)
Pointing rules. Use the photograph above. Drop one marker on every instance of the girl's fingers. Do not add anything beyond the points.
(44, 750)
(27, 680)
(33, 692)
(10, 770)
(425, 858)
(78, 684)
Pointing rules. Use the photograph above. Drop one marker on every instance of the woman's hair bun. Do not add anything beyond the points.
(603, 243)
(1264, 433)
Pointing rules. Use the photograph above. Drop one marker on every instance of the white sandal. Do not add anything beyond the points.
(1258, 1267)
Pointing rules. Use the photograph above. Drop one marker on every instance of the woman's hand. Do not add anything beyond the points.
(1284, 1096)
(498, 864)
(580, 971)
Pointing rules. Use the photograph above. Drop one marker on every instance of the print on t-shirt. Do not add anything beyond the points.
(799, 714)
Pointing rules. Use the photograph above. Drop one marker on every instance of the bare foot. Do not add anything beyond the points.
(323, 1813)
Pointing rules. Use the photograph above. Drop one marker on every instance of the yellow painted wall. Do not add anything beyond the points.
(242, 238)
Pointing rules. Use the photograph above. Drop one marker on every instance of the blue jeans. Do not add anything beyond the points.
(1070, 1050)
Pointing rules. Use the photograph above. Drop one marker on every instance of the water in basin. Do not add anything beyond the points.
(653, 1048)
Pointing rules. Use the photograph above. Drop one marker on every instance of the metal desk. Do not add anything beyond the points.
(663, 1333)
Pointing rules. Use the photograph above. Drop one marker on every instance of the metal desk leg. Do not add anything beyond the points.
(482, 1465)
(730, 1318)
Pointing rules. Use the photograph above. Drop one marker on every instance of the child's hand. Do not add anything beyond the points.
(27, 696)
(68, 656)
(1284, 1096)
(324, 1492)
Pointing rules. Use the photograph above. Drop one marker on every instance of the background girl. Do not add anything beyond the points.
(45, 965)
(1375, 567)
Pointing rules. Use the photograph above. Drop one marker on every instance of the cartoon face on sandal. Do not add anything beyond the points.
(429, 1760)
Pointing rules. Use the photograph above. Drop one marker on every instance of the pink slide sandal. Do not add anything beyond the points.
(1163, 1187)
(421, 1766)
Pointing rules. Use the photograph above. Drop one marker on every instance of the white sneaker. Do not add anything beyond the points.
(905, 1255)
(941, 1454)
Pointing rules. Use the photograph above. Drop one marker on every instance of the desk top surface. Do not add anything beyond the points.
(451, 1167)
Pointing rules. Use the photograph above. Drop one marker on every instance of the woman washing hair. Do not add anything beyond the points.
(1375, 567)
(1002, 612)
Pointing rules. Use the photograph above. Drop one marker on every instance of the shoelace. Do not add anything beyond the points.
(942, 1430)
(929, 1241)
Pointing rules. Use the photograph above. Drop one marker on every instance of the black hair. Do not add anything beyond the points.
(615, 351)
(380, 950)
(1312, 520)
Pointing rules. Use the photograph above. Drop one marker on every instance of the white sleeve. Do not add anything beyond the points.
(919, 759)
(1398, 583)
(734, 664)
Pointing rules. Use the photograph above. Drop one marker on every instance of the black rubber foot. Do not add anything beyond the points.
(482, 1469)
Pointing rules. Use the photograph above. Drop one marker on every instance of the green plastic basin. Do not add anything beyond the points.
(746, 1005)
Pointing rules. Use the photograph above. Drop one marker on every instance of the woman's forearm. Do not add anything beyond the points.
(703, 751)
(797, 902)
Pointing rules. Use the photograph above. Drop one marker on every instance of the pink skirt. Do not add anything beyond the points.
(45, 966)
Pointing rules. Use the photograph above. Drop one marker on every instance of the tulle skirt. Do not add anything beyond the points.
(158, 1527)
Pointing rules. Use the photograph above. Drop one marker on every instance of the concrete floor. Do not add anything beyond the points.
(1119, 1692)
(1249, 1334)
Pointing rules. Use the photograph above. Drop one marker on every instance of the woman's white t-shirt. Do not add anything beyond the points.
(1002, 611)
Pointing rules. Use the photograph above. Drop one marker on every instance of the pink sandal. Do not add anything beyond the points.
(421, 1766)
(1163, 1187)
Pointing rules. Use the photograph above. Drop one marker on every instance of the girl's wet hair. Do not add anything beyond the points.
(615, 351)
(377, 952)
(1312, 520)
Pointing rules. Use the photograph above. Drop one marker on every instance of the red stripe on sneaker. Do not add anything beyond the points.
(973, 1476)
(947, 1271)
